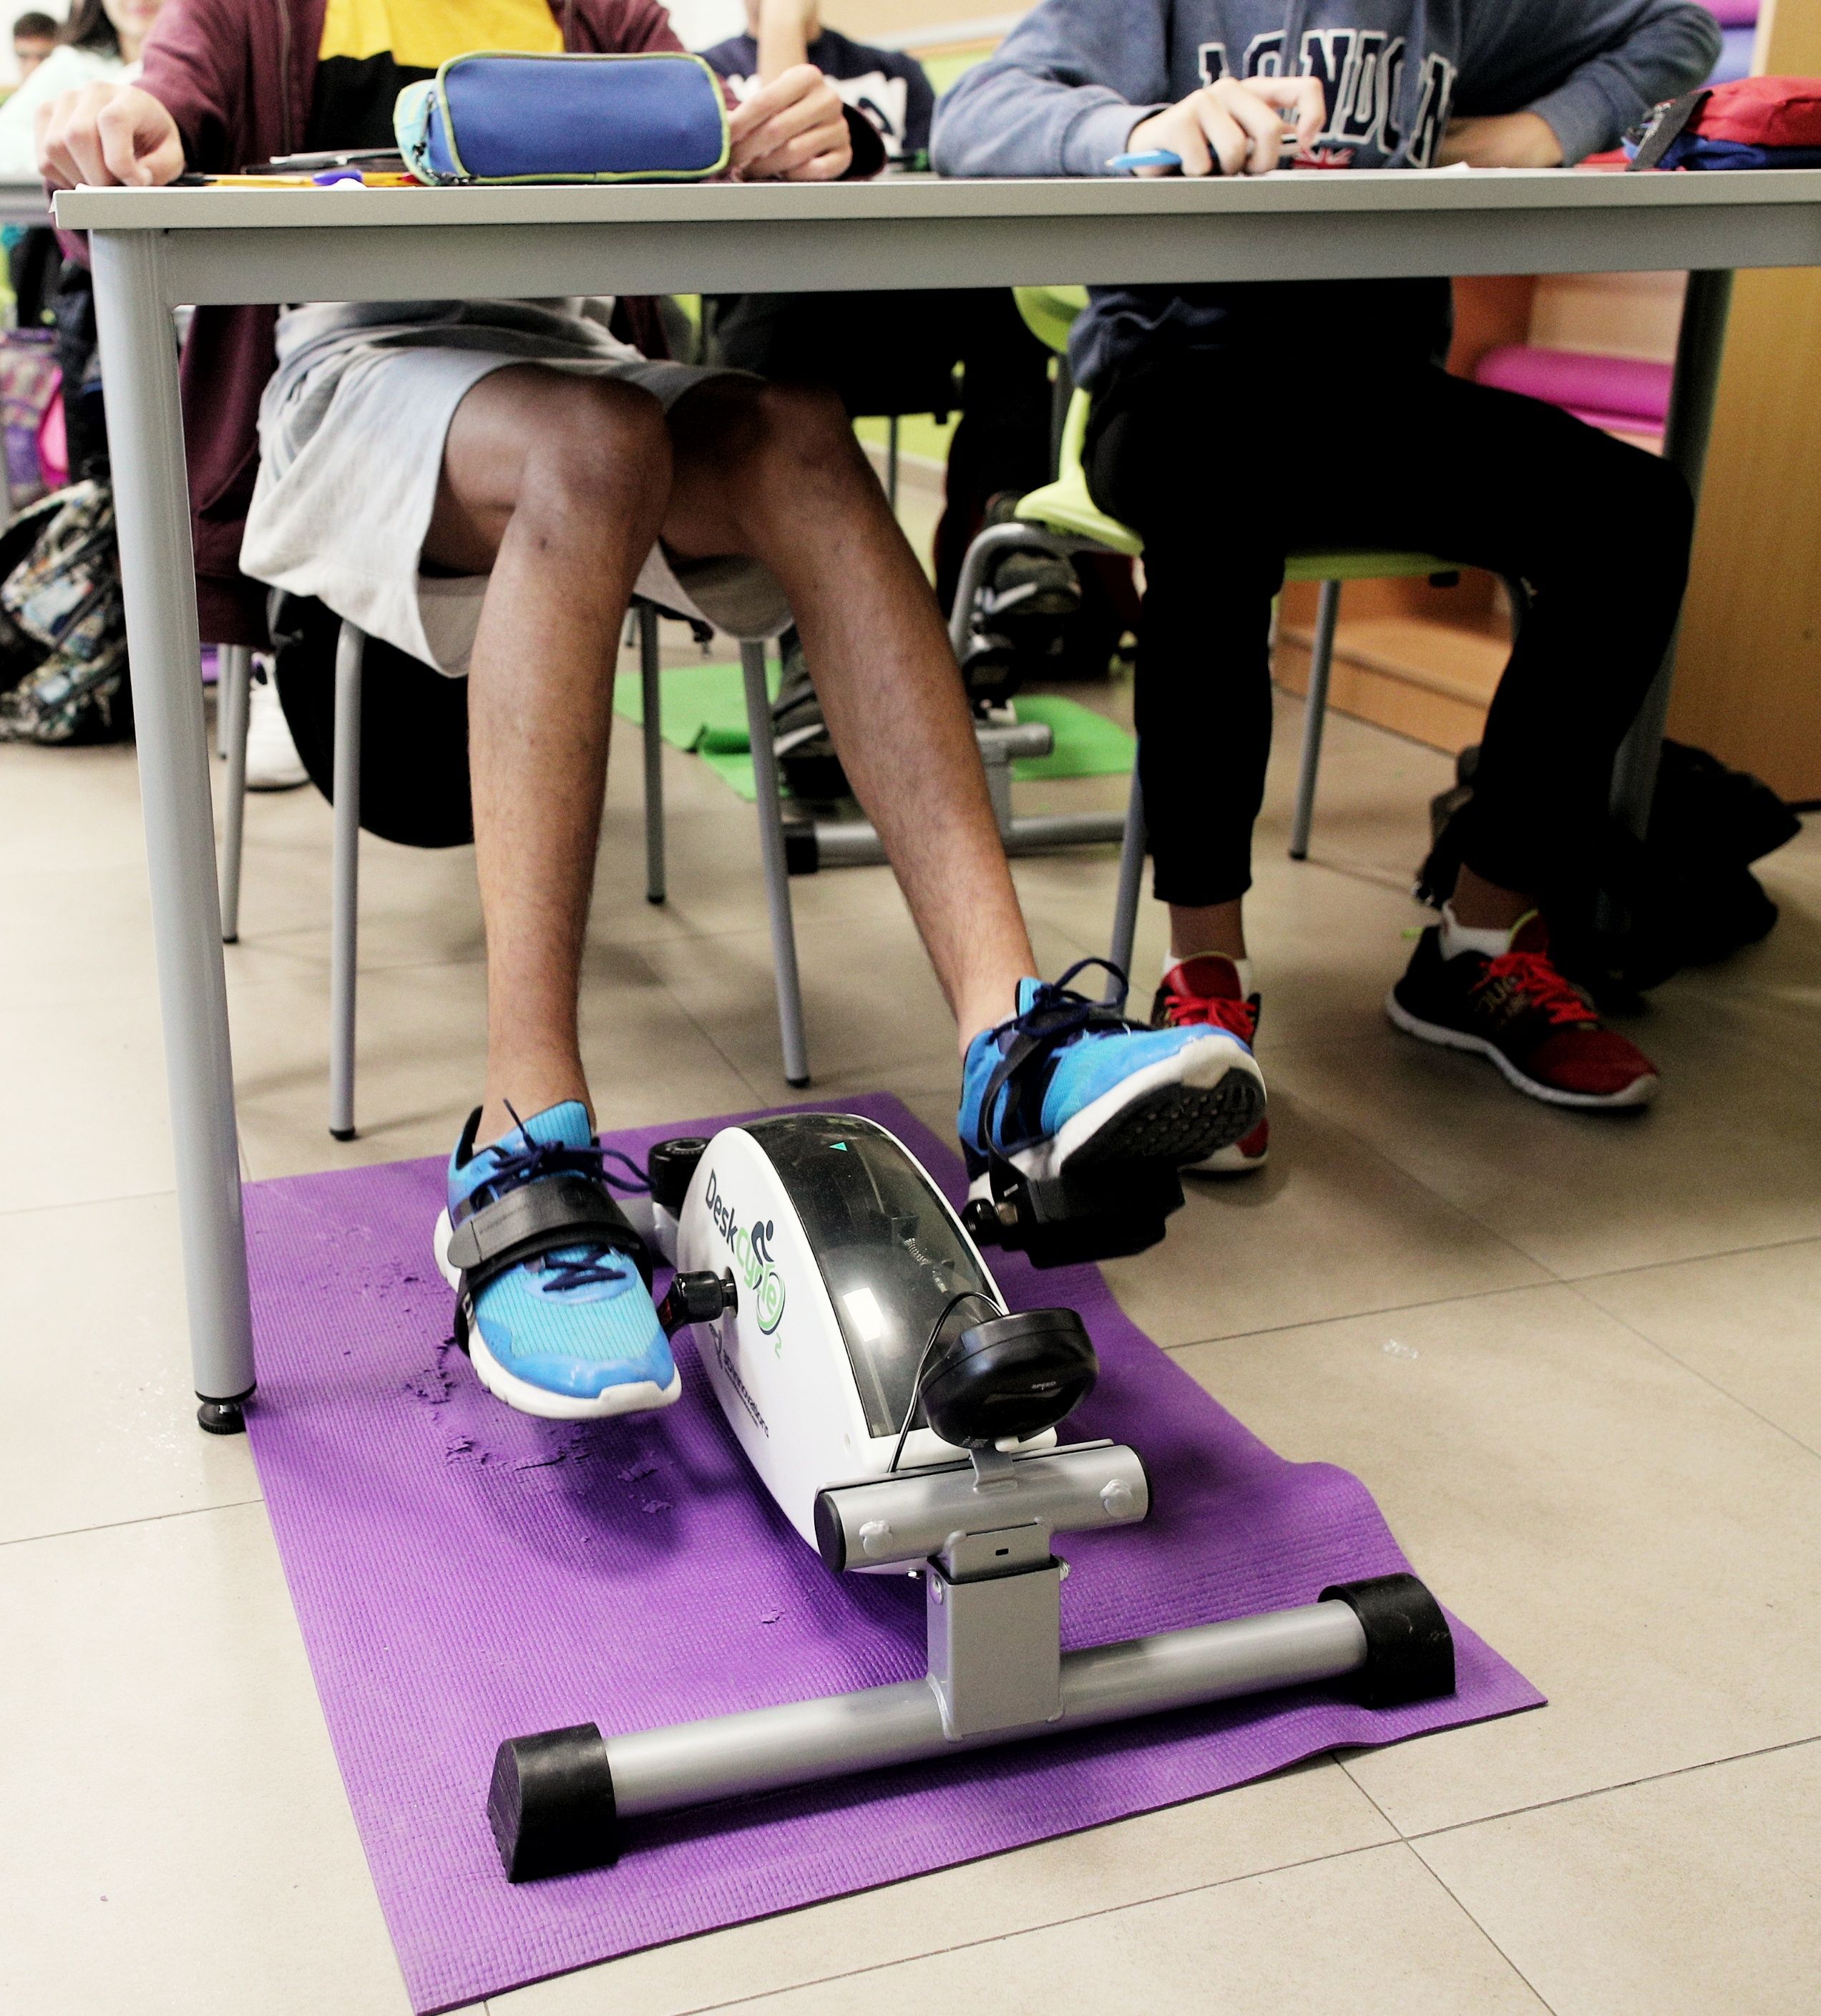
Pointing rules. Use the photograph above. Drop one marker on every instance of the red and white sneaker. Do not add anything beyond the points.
(1515, 1008)
(1206, 991)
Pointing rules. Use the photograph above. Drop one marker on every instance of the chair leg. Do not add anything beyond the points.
(344, 912)
(758, 720)
(891, 461)
(234, 699)
(1314, 716)
(650, 688)
(973, 566)
(1131, 879)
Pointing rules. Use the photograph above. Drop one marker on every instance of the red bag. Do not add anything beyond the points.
(1763, 112)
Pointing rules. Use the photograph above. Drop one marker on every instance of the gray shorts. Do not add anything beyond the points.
(351, 431)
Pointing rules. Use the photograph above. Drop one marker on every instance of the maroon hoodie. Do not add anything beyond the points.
(237, 76)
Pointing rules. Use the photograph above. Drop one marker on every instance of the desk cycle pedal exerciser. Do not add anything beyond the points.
(905, 1423)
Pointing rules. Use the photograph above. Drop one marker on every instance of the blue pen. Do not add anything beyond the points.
(1160, 157)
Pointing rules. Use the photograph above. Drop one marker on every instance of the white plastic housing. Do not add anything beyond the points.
(779, 1365)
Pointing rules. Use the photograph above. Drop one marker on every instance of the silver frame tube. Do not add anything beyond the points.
(765, 1750)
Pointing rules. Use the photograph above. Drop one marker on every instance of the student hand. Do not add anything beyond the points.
(793, 129)
(1509, 140)
(107, 133)
(1235, 127)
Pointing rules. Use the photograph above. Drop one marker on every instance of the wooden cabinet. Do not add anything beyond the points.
(1748, 673)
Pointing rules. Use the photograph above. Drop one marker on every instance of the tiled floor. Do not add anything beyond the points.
(1577, 1362)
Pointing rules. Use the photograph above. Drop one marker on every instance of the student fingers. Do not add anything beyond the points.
(753, 139)
(1177, 132)
(53, 161)
(767, 148)
(1226, 140)
(69, 146)
(1253, 140)
(1300, 101)
(827, 168)
(793, 95)
(789, 161)
(119, 133)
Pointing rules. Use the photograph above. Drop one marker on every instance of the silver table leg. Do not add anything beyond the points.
(651, 688)
(758, 721)
(345, 878)
(891, 461)
(233, 701)
(151, 500)
(1698, 352)
(1315, 720)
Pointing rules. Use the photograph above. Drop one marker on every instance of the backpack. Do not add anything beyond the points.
(1754, 122)
(1685, 892)
(64, 643)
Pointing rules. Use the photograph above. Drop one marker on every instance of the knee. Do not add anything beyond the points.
(1636, 526)
(798, 431)
(1665, 512)
(599, 452)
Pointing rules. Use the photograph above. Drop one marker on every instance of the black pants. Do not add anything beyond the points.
(1224, 468)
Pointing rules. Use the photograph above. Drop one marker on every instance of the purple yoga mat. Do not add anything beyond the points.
(463, 1574)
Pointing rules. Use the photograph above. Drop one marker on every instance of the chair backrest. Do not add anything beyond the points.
(1049, 313)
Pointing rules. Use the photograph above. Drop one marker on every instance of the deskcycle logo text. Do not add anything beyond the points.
(751, 1249)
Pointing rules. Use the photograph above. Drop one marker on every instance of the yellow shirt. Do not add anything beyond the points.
(371, 49)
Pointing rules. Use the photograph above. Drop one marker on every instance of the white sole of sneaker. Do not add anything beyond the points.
(636, 1396)
(1228, 1161)
(1640, 1091)
(1219, 1079)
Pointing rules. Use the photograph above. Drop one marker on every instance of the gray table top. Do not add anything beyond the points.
(907, 199)
(229, 244)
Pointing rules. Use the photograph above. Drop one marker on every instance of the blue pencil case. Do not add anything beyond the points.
(494, 117)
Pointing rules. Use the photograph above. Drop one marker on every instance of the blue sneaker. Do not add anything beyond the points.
(547, 1271)
(1068, 1084)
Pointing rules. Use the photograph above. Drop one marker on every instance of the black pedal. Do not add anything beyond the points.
(1098, 1214)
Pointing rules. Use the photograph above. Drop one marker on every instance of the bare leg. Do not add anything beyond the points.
(556, 486)
(1481, 906)
(773, 471)
(1207, 927)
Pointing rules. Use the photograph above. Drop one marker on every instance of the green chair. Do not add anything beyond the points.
(1065, 512)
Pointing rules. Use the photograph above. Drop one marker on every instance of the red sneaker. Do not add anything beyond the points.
(1540, 1030)
(1206, 990)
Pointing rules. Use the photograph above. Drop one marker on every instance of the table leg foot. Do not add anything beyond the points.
(223, 1417)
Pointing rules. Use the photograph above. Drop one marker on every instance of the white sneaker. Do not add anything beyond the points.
(272, 761)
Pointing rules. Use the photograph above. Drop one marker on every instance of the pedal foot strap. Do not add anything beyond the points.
(538, 1218)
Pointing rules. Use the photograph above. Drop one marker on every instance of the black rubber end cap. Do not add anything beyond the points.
(551, 1804)
(341, 1133)
(831, 1536)
(1409, 1651)
(796, 1084)
(221, 1417)
(655, 901)
(669, 1166)
(230, 937)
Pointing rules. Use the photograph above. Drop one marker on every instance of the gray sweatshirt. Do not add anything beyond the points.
(1064, 90)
